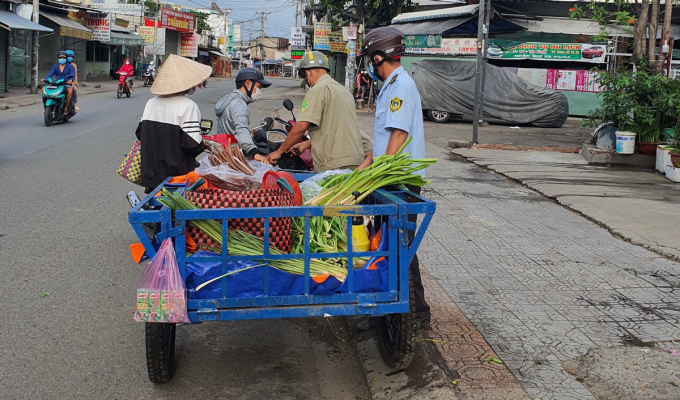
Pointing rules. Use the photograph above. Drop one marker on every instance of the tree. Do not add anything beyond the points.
(149, 4)
(201, 21)
(635, 17)
(374, 12)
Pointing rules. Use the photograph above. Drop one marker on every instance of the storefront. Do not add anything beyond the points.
(68, 34)
(125, 44)
(175, 23)
(16, 49)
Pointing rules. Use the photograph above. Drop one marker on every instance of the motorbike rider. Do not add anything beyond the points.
(170, 129)
(126, 68)
(70, 55)
(328, 112)
(232, 112)
(65, 71)
(151, 70)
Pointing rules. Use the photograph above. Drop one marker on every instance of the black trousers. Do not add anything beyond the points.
(422, 308)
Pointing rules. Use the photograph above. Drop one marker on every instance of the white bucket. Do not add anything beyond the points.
(625, 142)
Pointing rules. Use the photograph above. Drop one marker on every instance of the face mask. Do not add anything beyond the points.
(127, 63)
(256, 95)
(69, 59)
(371, 72)
(191, 91)
(62, 61)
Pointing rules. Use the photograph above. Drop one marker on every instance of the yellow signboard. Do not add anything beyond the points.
(75, 33)
(146, 32)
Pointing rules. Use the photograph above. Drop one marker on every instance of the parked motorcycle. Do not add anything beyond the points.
(149, 75)
(125, 86)
(54, 101)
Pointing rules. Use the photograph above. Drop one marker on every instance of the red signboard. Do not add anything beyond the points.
(176, 20)
(188, 45)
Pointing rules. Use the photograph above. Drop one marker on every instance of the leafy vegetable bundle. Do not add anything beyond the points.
(397, 169)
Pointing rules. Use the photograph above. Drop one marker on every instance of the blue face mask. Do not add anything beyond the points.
(371, 71)
(69, 59)
(62, 61)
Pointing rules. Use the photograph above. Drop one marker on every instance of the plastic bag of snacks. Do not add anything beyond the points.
(161, 294)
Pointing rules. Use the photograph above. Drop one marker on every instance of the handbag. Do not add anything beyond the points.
(131, 167)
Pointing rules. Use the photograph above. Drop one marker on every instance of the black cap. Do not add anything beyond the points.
(251, 74)
(61, 54)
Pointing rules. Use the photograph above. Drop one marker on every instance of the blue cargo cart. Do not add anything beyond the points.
(394, 307)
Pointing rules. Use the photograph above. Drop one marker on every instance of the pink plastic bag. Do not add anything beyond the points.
(161, 294)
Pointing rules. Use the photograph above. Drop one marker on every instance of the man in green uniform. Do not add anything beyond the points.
(328, 112)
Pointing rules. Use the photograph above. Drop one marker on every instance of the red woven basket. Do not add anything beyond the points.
(279, 228)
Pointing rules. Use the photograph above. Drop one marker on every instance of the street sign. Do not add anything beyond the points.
(297, 38)
(297, 54)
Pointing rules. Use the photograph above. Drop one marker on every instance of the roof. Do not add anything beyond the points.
(127, 39)
(567, 26)
(432, 27)
(452, 12)
(64, 21)
(10, 21)
(116, 28)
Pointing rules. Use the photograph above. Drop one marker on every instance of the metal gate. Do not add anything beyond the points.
(50, 45)
(19, 58)
(171, 43)
(4, 42)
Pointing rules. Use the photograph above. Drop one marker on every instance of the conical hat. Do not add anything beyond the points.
(179, 74)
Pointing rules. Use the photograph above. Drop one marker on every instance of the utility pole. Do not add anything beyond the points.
(226, 39)
(36, 45)
(485, 49)
(263, 17)
(478, 71)
(155, 32)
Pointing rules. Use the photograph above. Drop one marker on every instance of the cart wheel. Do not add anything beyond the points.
(397, 334)
(160, 351)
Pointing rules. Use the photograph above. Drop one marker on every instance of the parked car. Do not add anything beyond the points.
(447, 90)
(592, 52)
(494, 51)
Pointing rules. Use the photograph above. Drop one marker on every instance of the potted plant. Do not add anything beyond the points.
(673, 171)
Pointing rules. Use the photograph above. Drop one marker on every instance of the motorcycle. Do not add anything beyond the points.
(267, 139)
(149, 75)
(54, 101)
(125, 86)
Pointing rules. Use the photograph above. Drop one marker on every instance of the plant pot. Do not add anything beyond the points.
(674, 157)
(673, 173)
(648, 149)
(662, 158)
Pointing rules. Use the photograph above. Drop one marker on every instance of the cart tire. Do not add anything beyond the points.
(397, 334)
(160, 351)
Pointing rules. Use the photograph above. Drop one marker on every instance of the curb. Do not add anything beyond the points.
(424, 379)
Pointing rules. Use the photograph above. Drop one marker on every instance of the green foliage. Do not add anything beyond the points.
(374, 12)
(601, 13)
(639, 102)
(201, 20)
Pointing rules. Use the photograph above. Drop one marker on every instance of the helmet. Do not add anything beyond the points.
(313, 59)
(251, 74)
(70, 53)
(387, 41)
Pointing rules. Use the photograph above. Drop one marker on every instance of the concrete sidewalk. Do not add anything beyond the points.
(639, 206)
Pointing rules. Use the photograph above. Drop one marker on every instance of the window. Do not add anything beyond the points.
(97, 52)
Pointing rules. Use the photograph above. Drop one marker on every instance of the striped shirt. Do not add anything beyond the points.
(170, 136)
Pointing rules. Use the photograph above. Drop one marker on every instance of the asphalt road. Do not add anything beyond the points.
(68, 281)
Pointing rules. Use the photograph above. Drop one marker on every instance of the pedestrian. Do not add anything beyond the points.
(232, 112)
(170, 129)
(364, 84)
(398, 116)
(328, 112)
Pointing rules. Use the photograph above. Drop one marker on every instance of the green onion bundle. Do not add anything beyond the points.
(242, 243)
(326, 235)
(397, 169)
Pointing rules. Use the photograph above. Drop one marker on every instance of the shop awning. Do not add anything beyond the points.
(217, 53)
(68, 27)
(9, 20)
(449, 21)
(127, 39)
(272, 62)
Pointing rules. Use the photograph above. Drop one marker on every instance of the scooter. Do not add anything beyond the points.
(125, 86)
(305, 156)
(54, 101)
(149, 75)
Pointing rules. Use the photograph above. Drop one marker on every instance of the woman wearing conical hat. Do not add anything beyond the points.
(170, 130)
